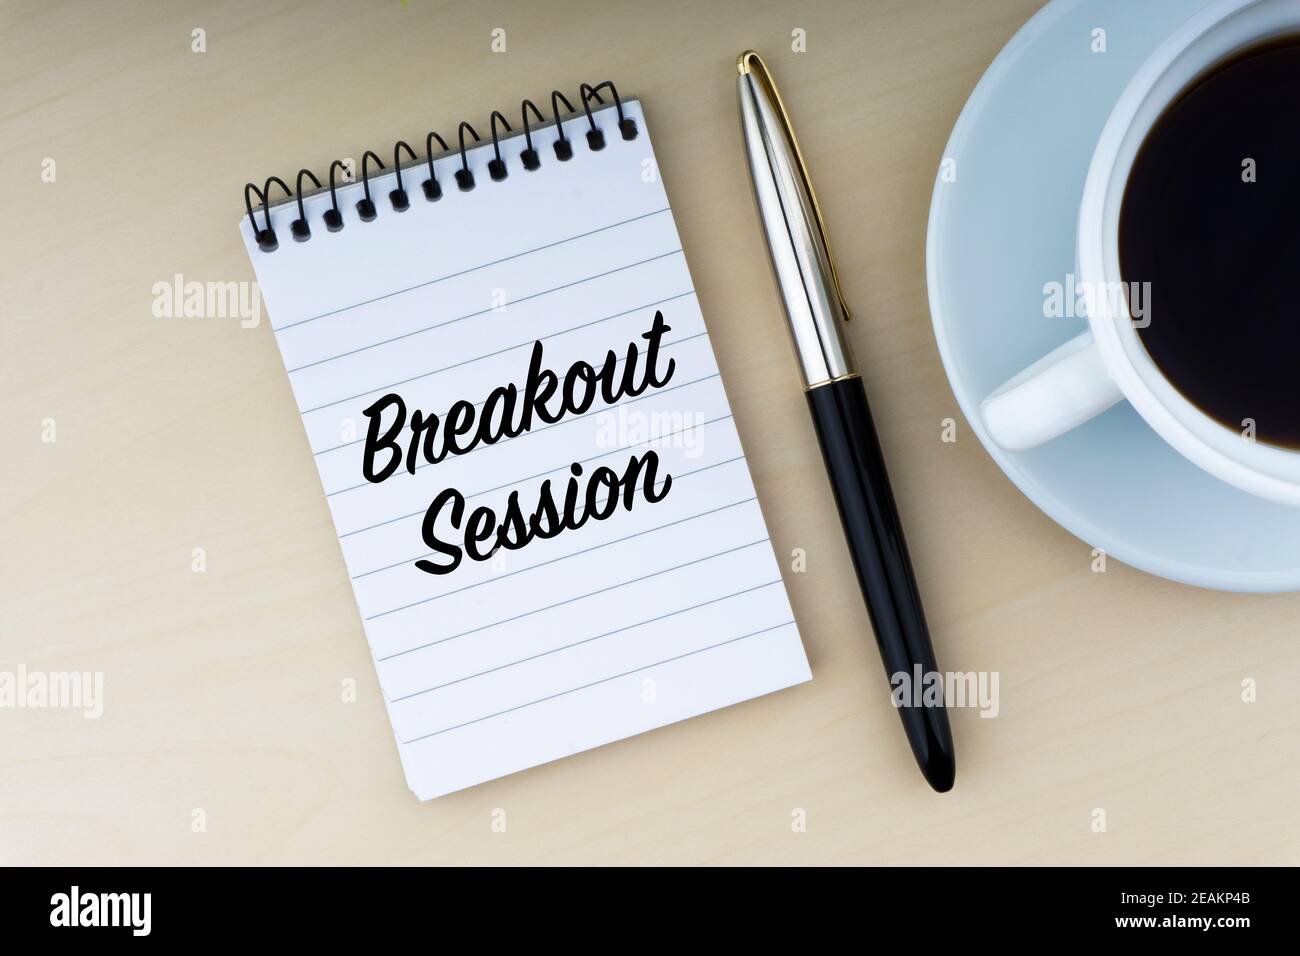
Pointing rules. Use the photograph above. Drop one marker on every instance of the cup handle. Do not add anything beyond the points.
(1061, 391)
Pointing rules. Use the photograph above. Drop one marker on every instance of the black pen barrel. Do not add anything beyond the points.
(869, 515)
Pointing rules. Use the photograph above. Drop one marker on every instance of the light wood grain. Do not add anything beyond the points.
(223, 689)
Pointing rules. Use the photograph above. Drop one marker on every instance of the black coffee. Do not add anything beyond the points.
(1211, 219)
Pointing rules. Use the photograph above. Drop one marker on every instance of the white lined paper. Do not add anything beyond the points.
(660, 612)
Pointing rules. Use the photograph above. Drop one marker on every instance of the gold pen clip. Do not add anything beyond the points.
(750, 63)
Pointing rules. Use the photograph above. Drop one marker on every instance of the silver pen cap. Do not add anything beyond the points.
(793, 227)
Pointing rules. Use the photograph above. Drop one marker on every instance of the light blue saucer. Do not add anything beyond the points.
(1003, 229)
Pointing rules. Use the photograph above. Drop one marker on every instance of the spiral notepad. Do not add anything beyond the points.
(524, 441)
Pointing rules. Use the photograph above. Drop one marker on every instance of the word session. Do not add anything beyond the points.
(509, 412)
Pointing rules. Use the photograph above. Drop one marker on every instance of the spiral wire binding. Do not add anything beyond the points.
(399, 199)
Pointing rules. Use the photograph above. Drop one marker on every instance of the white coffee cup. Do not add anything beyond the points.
(1107, 363)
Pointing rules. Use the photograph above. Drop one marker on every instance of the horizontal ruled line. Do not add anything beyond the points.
(462, 272)
(429, 554)
(478, 358)
(507, 484)
(596, 683)
(565, 557)
(471, 315)
(580, 597)
(597, 637)
(544, 429)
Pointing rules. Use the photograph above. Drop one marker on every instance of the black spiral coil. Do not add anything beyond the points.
(399, 200)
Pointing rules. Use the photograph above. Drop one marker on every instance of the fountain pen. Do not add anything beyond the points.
(816, 313)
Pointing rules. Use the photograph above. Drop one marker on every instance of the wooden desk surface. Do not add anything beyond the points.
(225, 737)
